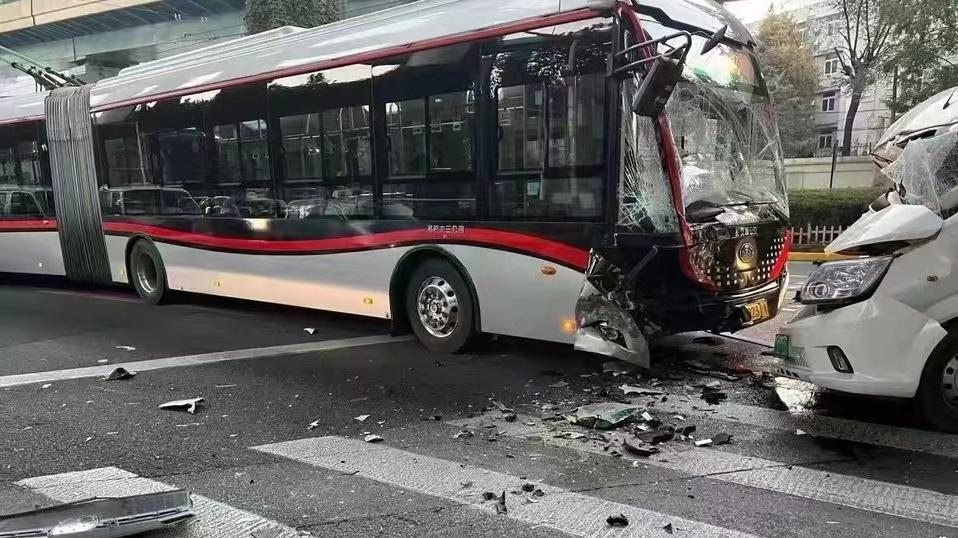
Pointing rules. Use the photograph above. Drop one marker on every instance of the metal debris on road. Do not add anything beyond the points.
(309, 330)
(463, 433)
(188, 405)
(313, 425)
(123, 516)
(119, 374)
(604, 415)
(126, 348)
(362, 418)
(639, 449)
(617, 368)
(501, 504)
(722, 439)
(373, 438)
(618, 521)
(639, 391)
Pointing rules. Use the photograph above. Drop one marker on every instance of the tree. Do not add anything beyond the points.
(262, 15)
(789, 68)
(878, 36)
(927, 44)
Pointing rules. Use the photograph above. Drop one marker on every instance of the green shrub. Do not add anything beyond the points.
(829, 207)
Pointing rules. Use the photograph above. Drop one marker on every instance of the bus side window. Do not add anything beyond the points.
(22, 204)
(326, 163)
(428, 99)
(548, 87)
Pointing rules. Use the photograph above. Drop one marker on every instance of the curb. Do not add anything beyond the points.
(815, 257)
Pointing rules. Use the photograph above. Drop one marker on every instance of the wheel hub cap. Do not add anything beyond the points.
(146, 273)
(949, 382)
(438, 307)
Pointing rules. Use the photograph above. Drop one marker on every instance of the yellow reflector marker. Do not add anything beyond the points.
(548, 270)
(367, 300)
(568, 326)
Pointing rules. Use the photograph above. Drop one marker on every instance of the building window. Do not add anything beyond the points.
(828, 102)
(824, 141)
(832, 27)
(831, 66)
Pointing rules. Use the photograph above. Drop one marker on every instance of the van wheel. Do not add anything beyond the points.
(937, 398)
(147, 274)
(440, 307)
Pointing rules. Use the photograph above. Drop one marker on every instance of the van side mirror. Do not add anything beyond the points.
(716, 38)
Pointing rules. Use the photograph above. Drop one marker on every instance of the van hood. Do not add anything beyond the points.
(893, 223)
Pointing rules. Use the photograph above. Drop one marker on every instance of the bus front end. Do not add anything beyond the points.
(701, 237)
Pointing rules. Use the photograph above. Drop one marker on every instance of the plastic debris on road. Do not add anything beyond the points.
(46, 385)
(570, 435)
(668, 528)
(119, 374)
(617, 521)
(604, 415)
(559, 385)
(362, 418)
(188, 405)
(642, 450)
(501, 504)
(313, 425)
(126, 348)
(639, 391)
(463, 434)
(309, 330)
(373, 438)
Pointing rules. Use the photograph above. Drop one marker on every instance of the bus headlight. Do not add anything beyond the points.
(844, 281)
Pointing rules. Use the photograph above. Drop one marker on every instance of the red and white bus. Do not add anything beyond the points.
(594, 172)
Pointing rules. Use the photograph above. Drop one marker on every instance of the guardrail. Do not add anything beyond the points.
(815, 235)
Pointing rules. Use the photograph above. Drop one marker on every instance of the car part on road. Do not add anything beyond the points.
(604, 415)
(102, 517)
(188, 405)
(617, 521)
(373, 438)
(119, 374)
(440, 307)
(147, 273)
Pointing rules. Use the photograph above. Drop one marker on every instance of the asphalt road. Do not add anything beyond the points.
(256, 467)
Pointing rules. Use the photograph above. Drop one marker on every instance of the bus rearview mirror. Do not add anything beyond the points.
(657, 85)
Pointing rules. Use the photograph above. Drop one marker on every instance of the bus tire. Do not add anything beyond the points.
(147, 273)
(439, 306)
(937, 398)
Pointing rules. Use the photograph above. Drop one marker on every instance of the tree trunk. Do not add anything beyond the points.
(850, 122)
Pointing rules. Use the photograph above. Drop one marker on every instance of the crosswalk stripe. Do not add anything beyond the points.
(896, 437)
(850, 491)
(213, 518)
(559, 509)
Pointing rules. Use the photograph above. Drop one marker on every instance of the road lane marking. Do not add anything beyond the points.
(214, 519)
(558, 509)
(927, 442)
(197, 360)
(850, 491)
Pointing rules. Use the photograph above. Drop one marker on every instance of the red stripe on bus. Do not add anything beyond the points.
(364, 57)
(536, 246)
(27, 225)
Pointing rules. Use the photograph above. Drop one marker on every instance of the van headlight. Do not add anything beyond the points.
(844, 281)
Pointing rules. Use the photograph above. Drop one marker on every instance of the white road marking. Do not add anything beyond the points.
(850, 491)
(196, 360)
(559, 509)
(940, 444)
(214, 519)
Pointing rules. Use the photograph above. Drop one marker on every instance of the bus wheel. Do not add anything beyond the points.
(147, 273)
(440, 307)
(938, 393)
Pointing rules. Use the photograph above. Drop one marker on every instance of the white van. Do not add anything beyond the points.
(886, 321)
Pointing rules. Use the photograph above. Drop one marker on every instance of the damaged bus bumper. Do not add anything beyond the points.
(613, 321)
(102, 517)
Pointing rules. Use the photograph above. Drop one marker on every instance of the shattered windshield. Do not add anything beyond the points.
(928, 170)
(723, 126)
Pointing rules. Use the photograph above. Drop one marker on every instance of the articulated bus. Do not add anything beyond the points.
(596, 172)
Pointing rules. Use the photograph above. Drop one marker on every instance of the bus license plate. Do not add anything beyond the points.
(758, 310)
